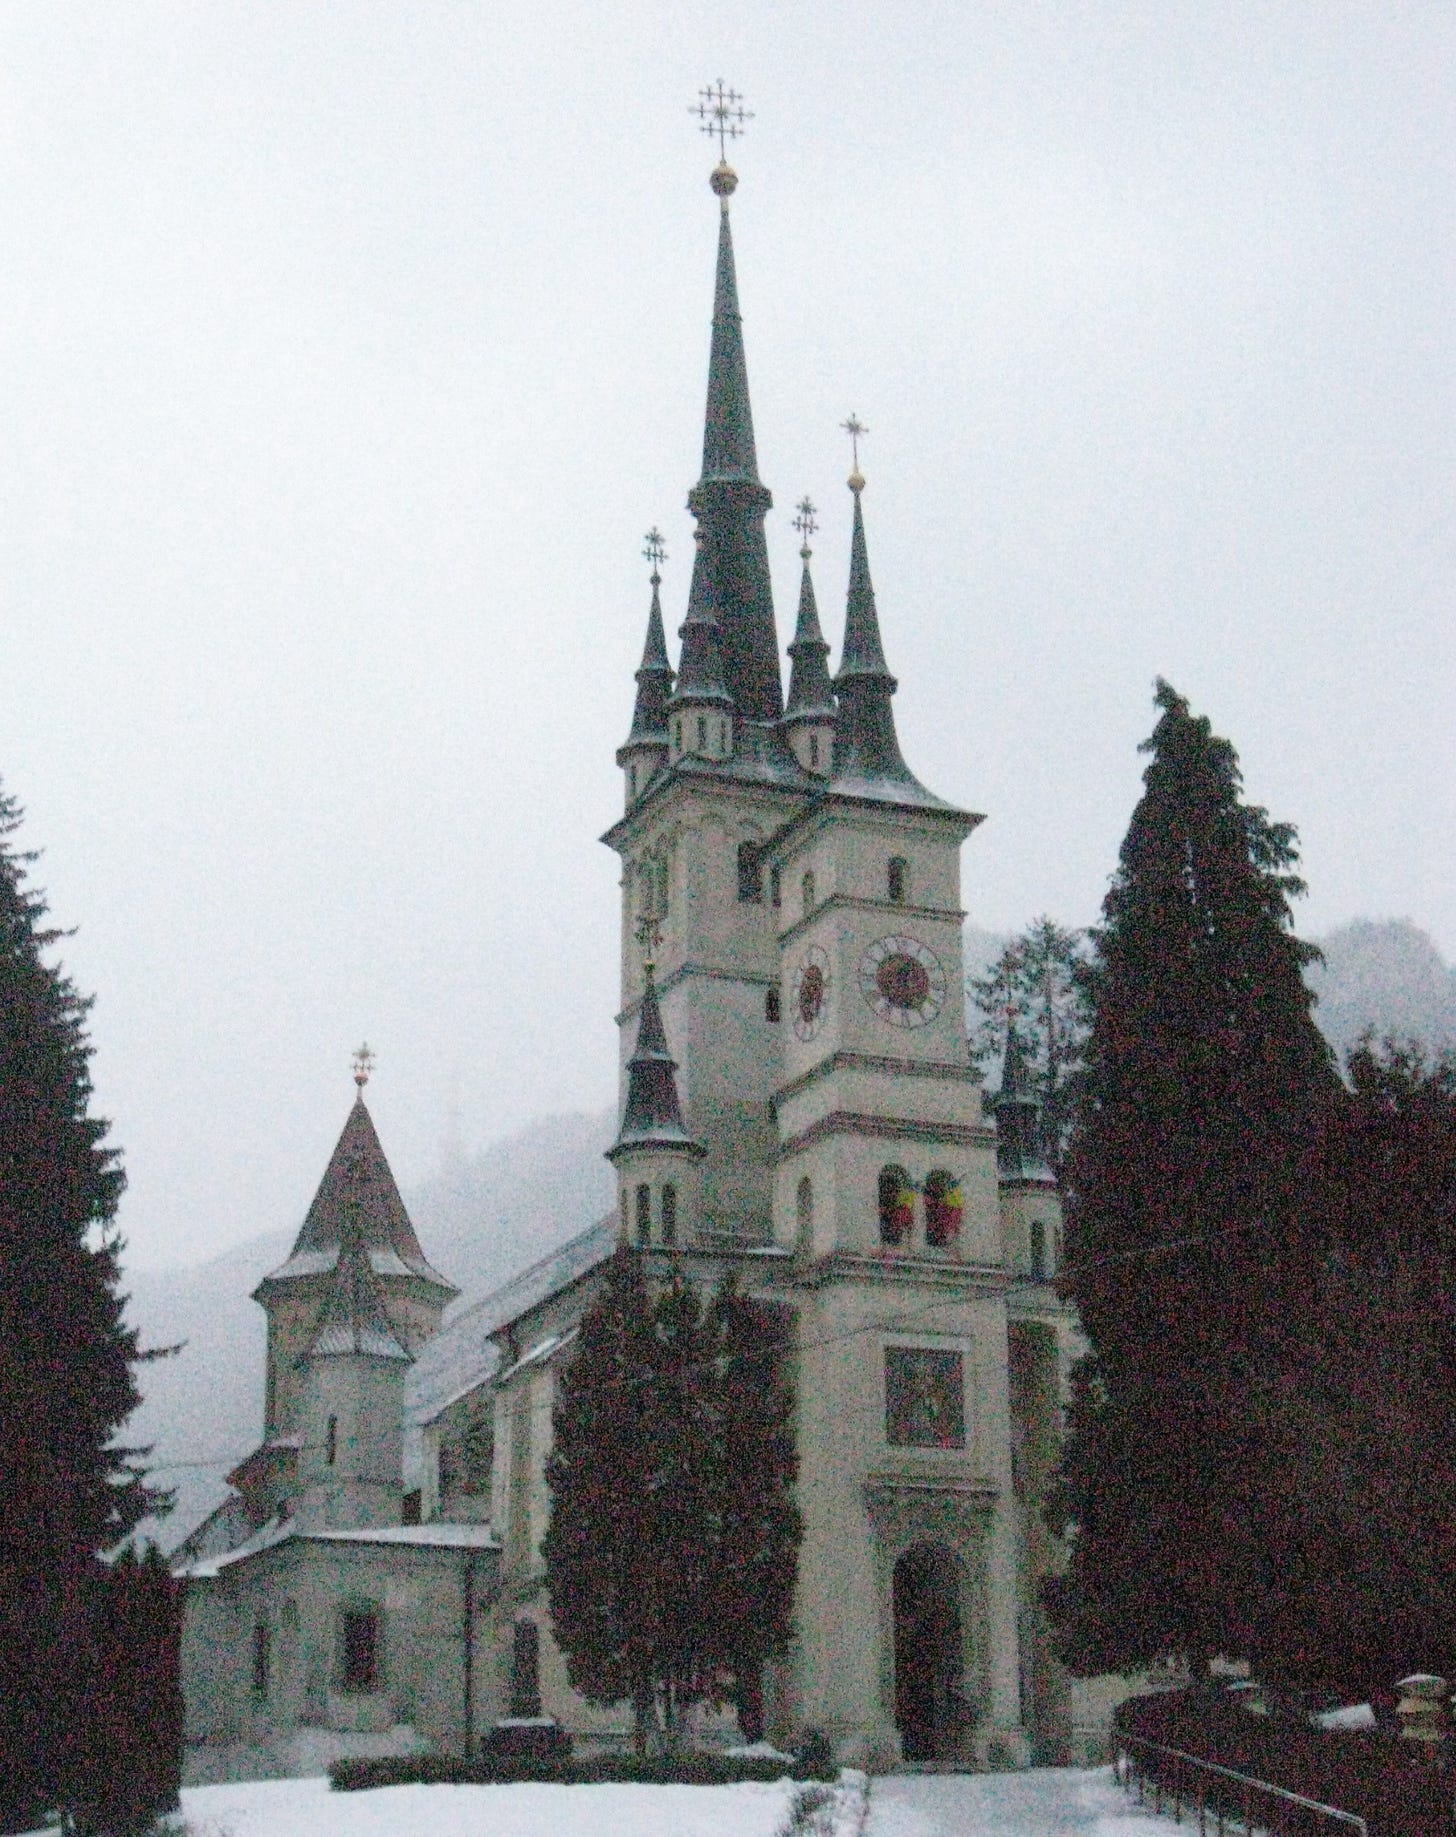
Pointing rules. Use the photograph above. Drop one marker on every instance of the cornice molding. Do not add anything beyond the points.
(843, 1059)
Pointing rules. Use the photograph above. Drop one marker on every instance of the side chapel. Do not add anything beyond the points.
(797, 1103)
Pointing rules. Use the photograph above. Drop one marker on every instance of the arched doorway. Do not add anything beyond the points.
(931, 1710)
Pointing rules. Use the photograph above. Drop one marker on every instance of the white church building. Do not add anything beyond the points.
(798, 1104)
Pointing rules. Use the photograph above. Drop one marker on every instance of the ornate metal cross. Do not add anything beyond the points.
(649, 933)
(806, 523)
(856, 430)
(722, 113)
(363, 1065)
(654, 551)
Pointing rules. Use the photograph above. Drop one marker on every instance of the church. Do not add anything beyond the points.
(798, 1104)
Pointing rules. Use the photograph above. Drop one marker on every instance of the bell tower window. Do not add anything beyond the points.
(899, 879)
(632, 780)
(677, 733)
(669, 1214)
(804, 1209)
(776, 886)
(772, 1008)
(943, 1210)
(750, 874)
(813, 752)
(702, 733)
(644, 1214)
(1038, 1250)
(897, 1206)
(808, 893)
(331, 1441)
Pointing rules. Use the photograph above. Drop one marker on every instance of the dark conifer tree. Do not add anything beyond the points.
(1204, 1095)
(66, 1379)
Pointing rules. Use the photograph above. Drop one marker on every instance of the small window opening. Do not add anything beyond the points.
(772, 1010)
(669, 1213)
(331, 1441)
(702, 733)
(776, 886)
(411, 1507)
(1038, 1249)
(804, 1208)
(750, 874)
(525, 1669)
(722, 736)
(943, 1210)
(814, 752)
(261, 1658)
(662, 886)
(808, 890)
(899, 879)
(632, 779)
(644, 1214)
(677, 733)
(360, 1669)
(897, 1205)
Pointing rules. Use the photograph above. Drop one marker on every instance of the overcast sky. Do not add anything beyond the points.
(347, 351)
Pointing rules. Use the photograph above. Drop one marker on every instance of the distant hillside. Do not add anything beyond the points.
(490, 1215)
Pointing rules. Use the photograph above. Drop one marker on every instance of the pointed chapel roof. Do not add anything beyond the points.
(358, 1193)
(654, 680)
(811, 695)
(867, 758)
(700, 675)
(652, 1117)
(730, 503)
(353, 1318)
(1018, 1118)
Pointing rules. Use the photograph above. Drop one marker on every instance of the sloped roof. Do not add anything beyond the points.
(353, 1318)
(358, 1193)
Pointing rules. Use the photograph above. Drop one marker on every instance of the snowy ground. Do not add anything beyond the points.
(1046, 1802)
(306, 1808)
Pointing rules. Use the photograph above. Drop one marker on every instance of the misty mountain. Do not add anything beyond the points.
(486, 1216)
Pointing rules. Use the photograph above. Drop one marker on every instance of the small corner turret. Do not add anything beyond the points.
(645, 751)
(809, 715)
(654, 1156)
(701, 708)
(1031, 1207)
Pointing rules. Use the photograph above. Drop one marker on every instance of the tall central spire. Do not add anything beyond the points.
(730, 502)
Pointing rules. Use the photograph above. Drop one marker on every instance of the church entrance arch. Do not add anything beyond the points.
(931, 1710)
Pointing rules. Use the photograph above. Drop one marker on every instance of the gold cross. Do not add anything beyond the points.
(856, 430)
(363, 1065)
(806, 524)
(722, 113)
(649, 932)
(654, 552)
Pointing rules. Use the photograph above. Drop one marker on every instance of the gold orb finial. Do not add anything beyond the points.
(856, 430)
(723, 179)
(363, 1065)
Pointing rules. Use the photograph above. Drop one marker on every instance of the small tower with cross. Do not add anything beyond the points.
(644, 752)
(809, 713)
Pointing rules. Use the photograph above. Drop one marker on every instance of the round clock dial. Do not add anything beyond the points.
(902, 981)
(810, 993)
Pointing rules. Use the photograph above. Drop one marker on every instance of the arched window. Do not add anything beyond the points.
(943, 1209)
(776, 885)
(771, 1009)
(813, 752)
(669, 1213)
(1038, 1250)
(897, 1205)
(750, 874)
(899, 879)
(525, 1668)
(644, 1214)
(331, 1441)
(808, 893)
(804, 1208)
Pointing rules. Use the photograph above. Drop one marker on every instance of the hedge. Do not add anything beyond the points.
(593, 1770)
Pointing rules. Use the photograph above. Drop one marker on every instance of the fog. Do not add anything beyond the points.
(348, 350)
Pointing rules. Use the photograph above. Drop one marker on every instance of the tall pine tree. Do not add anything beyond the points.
(66, 1378)
(1205, 1091)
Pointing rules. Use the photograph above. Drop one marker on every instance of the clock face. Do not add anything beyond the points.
(811, 992)
(902, 981)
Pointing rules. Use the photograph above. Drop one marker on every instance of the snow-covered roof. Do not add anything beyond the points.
(277, 1531)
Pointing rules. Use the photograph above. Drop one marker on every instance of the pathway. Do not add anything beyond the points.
(1045, 1802)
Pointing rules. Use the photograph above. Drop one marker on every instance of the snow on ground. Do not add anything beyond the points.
(307, 1808)
(1045, 1802)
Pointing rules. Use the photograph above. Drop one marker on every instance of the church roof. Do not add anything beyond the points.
(353, 1318)
(1019, 1154)
(730, 502)
(654, 680)
(652, 1116)
(811, 695)
(358, 1191)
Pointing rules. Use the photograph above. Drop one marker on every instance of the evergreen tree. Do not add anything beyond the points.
(1205, 1093)
(1039, 985)
(756, 1526)
(66, 1380)
(671, 1551)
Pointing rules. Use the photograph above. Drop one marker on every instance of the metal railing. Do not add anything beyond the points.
(1190, 1787)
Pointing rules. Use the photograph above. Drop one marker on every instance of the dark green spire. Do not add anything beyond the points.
(730, 504)
(653, 1115)
(1018, 1118)
(811, 694)
(866, 750)
(654, 680)
(700, 674)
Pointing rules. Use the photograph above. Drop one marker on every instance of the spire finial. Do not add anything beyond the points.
(654, 551)
(363, 1065)
(856, 430)
(720, 111)
(806, 523)
(649, 936)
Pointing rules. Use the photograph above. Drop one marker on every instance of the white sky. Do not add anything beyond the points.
(348, 350)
